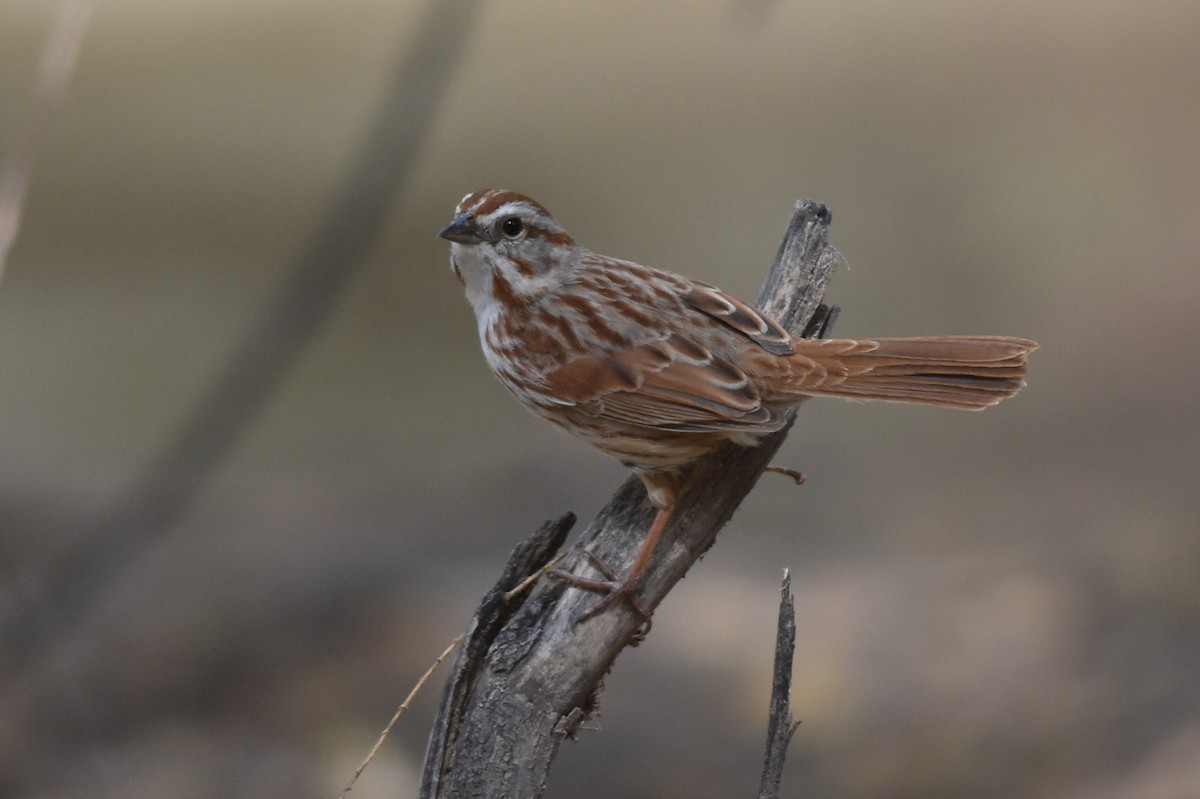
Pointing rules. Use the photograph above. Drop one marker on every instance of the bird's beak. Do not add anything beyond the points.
(462, 229)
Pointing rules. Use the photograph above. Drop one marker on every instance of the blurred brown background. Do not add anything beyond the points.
(993, 605)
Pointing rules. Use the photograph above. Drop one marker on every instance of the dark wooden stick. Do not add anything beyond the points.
(779, 722)
(495, 609)
(538, 679)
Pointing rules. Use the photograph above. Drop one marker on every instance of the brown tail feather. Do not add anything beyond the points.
(968, 372)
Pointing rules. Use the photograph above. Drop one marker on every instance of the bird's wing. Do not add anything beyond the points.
(751, 322)
(669, 384)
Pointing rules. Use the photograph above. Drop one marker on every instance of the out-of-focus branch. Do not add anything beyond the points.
(58, 63)
(323, 268)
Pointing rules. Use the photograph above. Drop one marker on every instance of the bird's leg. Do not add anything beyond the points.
(663, 496)
(615, 587)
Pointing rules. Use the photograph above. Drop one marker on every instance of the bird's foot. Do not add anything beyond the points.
(614, 588)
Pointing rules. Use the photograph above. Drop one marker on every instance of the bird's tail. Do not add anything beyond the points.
(967, 372)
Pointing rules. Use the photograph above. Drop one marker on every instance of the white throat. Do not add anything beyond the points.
(478, 266)
(475, 271)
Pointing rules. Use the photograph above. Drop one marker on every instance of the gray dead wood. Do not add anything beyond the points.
(535, 677)
(779, 720)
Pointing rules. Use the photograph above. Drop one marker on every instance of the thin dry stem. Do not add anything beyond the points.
(533, 578)
(396, 716)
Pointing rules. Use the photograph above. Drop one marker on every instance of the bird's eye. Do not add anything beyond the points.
(512, 227)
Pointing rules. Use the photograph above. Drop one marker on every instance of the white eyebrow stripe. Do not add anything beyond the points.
(511, 208)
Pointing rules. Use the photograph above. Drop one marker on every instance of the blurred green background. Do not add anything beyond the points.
(993, 605)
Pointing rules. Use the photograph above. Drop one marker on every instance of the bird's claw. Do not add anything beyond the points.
(795, 474)
(614, 588)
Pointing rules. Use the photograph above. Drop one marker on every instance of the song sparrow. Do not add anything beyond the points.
(657, 370)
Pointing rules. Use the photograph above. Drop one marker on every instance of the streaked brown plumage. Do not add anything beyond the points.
(657, 369)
